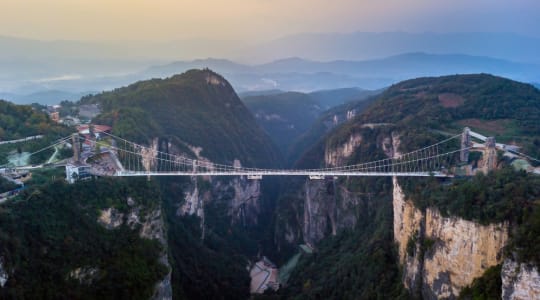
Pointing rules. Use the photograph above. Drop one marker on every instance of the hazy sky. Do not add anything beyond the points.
(257, 19)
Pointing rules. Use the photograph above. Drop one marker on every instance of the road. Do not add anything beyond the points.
(53, 156)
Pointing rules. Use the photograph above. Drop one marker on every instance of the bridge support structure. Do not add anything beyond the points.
(490, 155)
(76, 145)
(465, 144)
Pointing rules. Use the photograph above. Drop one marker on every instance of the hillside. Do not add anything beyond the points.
(214, 225)
(55, 244)
(493, 106)
(288, 115)
(196, 108)
(339, 213)
(22, 121)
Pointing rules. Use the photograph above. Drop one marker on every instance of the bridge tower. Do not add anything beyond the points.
(76, 145)
(465, 144)
(490, 155)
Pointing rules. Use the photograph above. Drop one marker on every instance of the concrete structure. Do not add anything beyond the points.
(77, 172)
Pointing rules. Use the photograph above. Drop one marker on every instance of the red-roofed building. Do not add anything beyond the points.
(85, 129)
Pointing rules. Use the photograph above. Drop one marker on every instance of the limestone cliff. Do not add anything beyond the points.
(329, 205)
(328, 208)
(4, 276)
(337, 155)
(441, 255)
(519, 281)
(241, 194)
(150, 225)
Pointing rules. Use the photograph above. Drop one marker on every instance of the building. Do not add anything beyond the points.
(96, 129)
(55, 116)
(77, 172)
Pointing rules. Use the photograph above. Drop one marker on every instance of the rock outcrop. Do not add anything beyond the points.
(4, 276)
(243, 197)
(441, 255)
(519, 281)
(330, 206)
(336, 156)
(150, 225)
(85, 275)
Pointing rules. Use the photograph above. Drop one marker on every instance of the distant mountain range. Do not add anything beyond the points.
(313, 46)
(48, 97)
(305, 75)
(370, 45)
(328, 61)
(293, 74)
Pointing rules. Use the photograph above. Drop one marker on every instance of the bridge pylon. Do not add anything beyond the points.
(465, 144)
(76, 145)
(490, 155)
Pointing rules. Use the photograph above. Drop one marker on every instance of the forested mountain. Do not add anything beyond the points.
(350, 219)
(53, 245)
(214, 226)
(198, 108)
(288, 115)
(193, 238)
(23, 121)
(20, 121)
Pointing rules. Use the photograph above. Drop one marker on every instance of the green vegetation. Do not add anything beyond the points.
(50, 231)
(360, 263)
(68, 108)
(502, 195)
(21, 121)
(507, 109)
(411, 244)
(6, 185)
(209, 268)
(197, 107)
(526, 239)
(357, 263)
(289, 115)
(487, 287)
(284, 116)
(423, 111)
(302, 147)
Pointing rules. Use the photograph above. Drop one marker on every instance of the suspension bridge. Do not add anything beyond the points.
(111, 155)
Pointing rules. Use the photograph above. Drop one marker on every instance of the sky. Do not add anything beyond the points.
(257, 20)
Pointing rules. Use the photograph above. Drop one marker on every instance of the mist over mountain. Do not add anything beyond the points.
(313, 46)
(304, 62)
(369, 45)
(286, 116)
(305, 75)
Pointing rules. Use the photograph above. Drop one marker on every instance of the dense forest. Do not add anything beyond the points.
(425, 111)
(288, 115)
(22, 121)
(493, 106)
(359, 262)
(198, 108)
(50, 233)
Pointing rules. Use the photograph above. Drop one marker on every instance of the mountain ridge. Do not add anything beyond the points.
(198, 107)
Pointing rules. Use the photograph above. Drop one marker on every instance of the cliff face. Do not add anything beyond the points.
(328, 208)
(330, 205)
(519, 281)
(336, 156)
(442, 255)
(407, 222)
(241, 195)
(4, 276)
(151, 226)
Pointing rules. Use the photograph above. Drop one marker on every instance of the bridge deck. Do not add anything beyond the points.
(284, 173)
